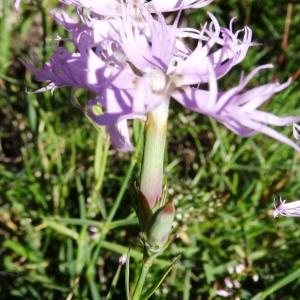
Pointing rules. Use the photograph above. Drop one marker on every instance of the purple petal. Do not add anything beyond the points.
(259, 127)
(104, 7)
(119, 135)
(173, 5)
(17, 5)
(291, 209)
(193, 99)
(231, 51)
(152, 50)
(268, 118)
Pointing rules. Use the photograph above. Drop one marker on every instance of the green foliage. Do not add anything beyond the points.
(65, 213)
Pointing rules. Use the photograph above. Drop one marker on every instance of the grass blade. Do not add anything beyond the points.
(127, 272)
(114, 282)
(278, 285)
(160, 280)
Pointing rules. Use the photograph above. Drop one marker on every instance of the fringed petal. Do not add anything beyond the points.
(173, 5)
(119, 135)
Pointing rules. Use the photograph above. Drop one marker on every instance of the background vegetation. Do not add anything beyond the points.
(65, 213)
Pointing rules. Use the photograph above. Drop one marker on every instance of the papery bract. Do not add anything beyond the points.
(161, 225)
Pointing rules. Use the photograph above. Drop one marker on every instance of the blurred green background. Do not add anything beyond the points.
(65, 213)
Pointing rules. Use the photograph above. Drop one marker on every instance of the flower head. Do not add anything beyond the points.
(160, 70)
(291, 209)
(17, 5)
(134, 61)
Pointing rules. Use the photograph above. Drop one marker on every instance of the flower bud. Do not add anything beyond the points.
(161, 225)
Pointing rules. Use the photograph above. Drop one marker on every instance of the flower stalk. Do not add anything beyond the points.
(153, 156)
(138, 290)
(155, 215)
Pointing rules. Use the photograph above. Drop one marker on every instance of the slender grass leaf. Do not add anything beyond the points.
(160, 280)
(278, 285)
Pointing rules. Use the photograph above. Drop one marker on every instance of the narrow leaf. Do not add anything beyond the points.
(114, 283)
(187, 286)
(127, 275)
(61, 229)
(160, 280)
(278, 285)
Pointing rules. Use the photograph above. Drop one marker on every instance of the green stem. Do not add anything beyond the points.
(137, 293)
(153, 156)
(5, 37)
(101, 157)
(45, 27)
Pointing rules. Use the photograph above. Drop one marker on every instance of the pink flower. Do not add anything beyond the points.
(228, 283)
(238, 109)
(17, 5)
(134, 63)
(161, 70)
(109, 8)
(223, 293)
(291, 209)
(173, 5)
